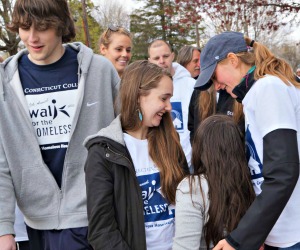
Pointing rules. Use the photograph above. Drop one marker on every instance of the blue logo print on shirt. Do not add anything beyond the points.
(177, 116)
(252, 157)
(48, 112)
(156, 208)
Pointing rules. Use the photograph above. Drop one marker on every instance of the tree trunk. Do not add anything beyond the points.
(197, 35)
(85, 24)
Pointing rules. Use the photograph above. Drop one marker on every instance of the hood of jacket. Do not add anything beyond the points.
(10, 65)
(113, 132)
(180, 71)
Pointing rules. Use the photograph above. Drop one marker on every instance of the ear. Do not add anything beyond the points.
(233, 59)
(173, 56)
(102, 49)
(139, 101)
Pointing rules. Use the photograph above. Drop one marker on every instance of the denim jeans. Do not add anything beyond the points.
(294, 247)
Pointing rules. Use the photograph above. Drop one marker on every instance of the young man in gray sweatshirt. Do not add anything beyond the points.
(52, 96)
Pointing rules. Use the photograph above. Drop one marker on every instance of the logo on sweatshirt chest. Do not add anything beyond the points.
(49, 111)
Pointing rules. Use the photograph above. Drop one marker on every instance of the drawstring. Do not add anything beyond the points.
(247, 75)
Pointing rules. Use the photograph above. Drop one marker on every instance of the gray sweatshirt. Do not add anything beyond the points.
(24, 177)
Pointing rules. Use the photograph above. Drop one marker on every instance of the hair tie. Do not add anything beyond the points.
(251, 44)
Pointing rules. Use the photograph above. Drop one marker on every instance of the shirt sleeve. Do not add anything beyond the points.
(189, 215)
(274, 106)
(7, 197)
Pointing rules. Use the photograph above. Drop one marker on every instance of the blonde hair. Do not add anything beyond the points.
(267, 63)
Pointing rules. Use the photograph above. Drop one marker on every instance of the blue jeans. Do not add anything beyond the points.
(294, 247)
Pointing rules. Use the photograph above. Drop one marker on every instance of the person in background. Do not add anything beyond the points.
(189, 57)
(266, 86)
(52, 96)
(115, 44)
(134, 166)
(160, 53)
(206, 212)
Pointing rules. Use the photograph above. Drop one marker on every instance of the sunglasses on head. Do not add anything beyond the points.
(114, 28)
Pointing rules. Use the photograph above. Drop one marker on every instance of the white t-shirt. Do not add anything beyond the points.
(158, 213)
(183, 89)
(19, 226)
(269, 105)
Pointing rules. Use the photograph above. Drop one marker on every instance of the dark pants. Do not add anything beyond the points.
(23, 245)
(66, 239)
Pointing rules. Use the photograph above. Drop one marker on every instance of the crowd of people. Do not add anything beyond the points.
(98, 152)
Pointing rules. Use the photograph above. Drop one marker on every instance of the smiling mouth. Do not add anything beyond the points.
(36, 47)
(122, 62)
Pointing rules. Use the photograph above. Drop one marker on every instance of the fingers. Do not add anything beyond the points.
(223, 245)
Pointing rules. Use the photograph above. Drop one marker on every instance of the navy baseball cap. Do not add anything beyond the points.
(217, 49)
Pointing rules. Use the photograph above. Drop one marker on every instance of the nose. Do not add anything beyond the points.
(33, 34)
(198, 63)
(168, 106)
(124, 53)
(161, 60)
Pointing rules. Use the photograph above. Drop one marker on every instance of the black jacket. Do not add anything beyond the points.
(114, 198)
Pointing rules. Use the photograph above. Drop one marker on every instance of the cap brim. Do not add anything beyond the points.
(204, 81)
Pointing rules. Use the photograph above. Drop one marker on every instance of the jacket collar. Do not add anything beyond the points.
(242, 89)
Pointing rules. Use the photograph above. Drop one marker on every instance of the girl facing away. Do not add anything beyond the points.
(134, 166)
(115, 44)
(266, 86)
(210, 203)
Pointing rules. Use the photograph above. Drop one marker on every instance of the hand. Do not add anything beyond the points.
(223, 245)
(7, 242)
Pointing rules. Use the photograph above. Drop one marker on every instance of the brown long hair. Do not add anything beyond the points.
(207, 103)
(43, 14)
(219, 155)
(164, 145)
